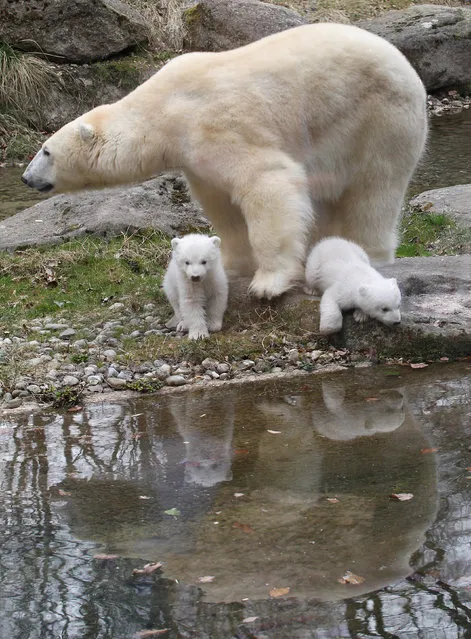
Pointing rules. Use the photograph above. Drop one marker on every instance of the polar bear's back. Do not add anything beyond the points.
(336, 260)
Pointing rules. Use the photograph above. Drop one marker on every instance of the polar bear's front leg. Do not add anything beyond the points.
(277, 209)
(331, 313)
(194, 318)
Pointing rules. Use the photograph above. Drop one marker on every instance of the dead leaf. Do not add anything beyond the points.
(206, 580)
(426, 451)
(63, 493)
(372, 399)
(401, 496)
(144, 497)
(104, 556)
(333, 500)
(243, 527)
(419, 365)
(249, 619)
(75, 409)
(143, 634)
(444, 359)
(274, 432)
(278, 592)
(148, 569)
(237, 495)
(350, 578)
(426, 206)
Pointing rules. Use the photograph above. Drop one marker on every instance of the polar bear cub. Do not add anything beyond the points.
(340, 270)
(196, 285)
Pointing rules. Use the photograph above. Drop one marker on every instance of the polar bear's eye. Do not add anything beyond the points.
(46, 152)
(385, 309)
(203, 262)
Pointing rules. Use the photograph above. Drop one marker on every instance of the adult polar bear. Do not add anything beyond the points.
(310, 132)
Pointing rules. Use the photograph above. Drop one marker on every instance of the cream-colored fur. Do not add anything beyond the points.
(311, 132)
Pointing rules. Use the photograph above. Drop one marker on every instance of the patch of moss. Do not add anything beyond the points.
(425, 234)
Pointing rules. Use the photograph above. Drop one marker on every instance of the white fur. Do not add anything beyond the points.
(340, 270)
(196, 285)
(307, 133)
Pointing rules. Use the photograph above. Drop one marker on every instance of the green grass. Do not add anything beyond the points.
(81, 277)
(424, 234)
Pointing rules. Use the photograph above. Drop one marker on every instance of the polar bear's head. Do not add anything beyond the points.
(195, 254)
(93, 151)
(382, 300)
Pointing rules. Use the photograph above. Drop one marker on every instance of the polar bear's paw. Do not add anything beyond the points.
(181, 327)
(330, 326)
(198, 332)
(269, 284)
(311, 291)
(360, 316)
(214, 326)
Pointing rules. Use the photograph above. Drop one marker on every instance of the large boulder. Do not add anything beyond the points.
(435, 39)
(71, 30)
(452, 200)
(162, 203)
(218, 25)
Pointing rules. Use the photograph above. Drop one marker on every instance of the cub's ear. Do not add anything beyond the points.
(393, 280)
(216, 241)
(175, 242)
(86, 131)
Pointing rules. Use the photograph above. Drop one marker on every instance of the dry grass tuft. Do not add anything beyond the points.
(165, 22)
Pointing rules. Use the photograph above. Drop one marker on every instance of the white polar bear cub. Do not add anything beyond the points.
(340, 270)
(196, 285)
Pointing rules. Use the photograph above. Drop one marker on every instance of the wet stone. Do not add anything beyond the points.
(34, 389)
(175, 380)
(70, 380)
(116, 382)
(14, 403)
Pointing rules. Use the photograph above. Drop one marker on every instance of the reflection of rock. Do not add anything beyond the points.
(343, 420)
(206, 425)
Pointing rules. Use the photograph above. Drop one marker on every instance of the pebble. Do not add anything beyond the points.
(13, 403)
(175, 380)
(69, 332)
(34, 389)
(110, 355)
(163, 371)
(116, 382)
(70, 380)
(293, 355)
(93, 380)
(223, 368)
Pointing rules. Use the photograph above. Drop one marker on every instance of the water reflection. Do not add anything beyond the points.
(282, 486)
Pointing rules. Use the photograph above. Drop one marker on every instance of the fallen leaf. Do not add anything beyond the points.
(249, 619)
(237, 495)
(279, 592)
(148, 569)
(350, 578)
(426, 451)
(173, 511)
(243, 527)
(274, 432)
(419, 365)
(333, 500)
(372, 399)
(104, 557)
(469, 468)
(144, 497)
(143, 634)
(444, 359)
(63, 493)
(241, 451)
(75, 409)
(401, 496)
(206, 580)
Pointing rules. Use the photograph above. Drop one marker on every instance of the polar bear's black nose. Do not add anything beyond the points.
(397, 322)
(195, 278)
(23, 179)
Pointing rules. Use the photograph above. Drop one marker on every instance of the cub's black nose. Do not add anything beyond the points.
(195, 278)
(23, 179)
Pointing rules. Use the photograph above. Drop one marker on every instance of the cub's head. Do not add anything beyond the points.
(382, 301)
(85, 153)
(195, 254)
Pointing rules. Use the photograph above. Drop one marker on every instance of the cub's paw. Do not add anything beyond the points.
(181, 327)
(360, 316)
(328, 327)
(311, 291)
(198, 332)
(214, 326)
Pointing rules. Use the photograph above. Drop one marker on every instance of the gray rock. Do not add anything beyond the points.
(175, 380)
(117, 306)
(108, 212)
(435, 39)
(452, 200)
(223, 368)
(69, 332)
(116, 382)
(293, 355)
(126, 375)
(112, 372)
(163, 371)
(95, 388)
(209, 364)
(93, 380)
(72, 30)
(34, 389)
(109, 355)
(218, 25)
(91, 369)
(14, 403)
(80, 343)
(70, 380)
(53, 326)
(246, 364)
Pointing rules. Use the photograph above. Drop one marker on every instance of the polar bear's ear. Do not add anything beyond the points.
(175, 242)
(393, 280)
(86, 131)
(216, 241)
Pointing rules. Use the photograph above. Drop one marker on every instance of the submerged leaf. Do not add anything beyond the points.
(401, 496)
(350, 578)
(243, 527)
(206, 580)
(103, 556)
(426, 451)
(419, 365)
(249, 619)
(279, 592)
(148, 569)
(173, 511)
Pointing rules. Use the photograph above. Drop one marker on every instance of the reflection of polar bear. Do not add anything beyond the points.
(206, 425)
(340, 270)
(343, 420)
(323, 120)
(196, 285)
